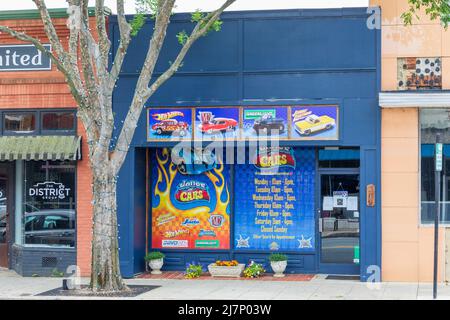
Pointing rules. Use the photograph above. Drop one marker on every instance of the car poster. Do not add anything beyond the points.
(265, 122)
(169, 124)
(314, 123)
(216, 123)
(190, 202)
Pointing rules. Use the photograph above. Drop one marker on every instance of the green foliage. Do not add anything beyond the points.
(200, 18)
(193, 270)
(275, 257)
(144, 8)
(435, 9)
(254, 270)
(182, 37)
(155, 255)
(57, 274)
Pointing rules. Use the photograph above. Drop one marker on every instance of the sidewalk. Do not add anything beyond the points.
(13, 286)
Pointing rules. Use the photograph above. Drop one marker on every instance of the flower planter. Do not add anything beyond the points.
(278, 268)
(220, 271)
(156, 265)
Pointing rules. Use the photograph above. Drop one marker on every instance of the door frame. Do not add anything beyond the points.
(10, 169)
(335, 268)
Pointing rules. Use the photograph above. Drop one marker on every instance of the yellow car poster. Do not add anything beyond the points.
(315, 123)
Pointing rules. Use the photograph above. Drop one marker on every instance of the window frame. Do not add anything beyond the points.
(57, 131)
(419, 159)
(21, 236)
(19, 112)
(39, 131)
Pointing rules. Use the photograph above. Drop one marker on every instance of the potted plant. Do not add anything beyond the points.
(193, 270)
(278, 262)
(226, 268)
(254, 270)
(155, 261)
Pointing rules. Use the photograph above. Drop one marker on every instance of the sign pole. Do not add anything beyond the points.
(438, 170)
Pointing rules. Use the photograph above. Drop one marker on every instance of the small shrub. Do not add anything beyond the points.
(254, 270)
(276, 257)
(155, 255)
(193, 270)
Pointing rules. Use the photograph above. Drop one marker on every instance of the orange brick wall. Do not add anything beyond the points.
(47, 89)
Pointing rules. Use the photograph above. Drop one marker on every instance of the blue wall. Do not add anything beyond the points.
(261, 58)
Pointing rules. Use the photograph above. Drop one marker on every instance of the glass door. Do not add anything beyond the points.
(339, 215)
(4, 215)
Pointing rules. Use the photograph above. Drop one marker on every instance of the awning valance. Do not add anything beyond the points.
(40, 148)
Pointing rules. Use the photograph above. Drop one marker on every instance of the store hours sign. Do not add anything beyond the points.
(23, 57)
(275, 210)
(49, 191)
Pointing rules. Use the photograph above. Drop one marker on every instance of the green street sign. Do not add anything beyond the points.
(439, 151)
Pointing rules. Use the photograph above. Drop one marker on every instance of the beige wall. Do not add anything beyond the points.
(425, 38)
(407, 247)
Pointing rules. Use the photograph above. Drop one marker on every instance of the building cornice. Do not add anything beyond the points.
(422, 99)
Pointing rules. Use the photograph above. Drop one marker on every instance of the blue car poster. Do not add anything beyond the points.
(265, 122)
(315, 123)
(276, 208)
(216, 123)
(169, 124)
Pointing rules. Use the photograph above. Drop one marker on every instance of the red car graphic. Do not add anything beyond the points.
(218, 124)
(170, 126)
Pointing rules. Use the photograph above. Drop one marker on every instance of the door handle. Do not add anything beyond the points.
(320, 225)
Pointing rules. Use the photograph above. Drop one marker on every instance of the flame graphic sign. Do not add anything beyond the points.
(211, 229)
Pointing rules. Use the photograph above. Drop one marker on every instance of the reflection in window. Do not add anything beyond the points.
(49, 203)
(58, 121)
(434, 121)
(20, 122)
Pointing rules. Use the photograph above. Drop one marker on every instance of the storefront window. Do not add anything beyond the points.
(434, 121)
(20, 122)
(49, 211)
(58, 121)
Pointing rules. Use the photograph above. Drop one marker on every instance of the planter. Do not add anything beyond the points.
(278, 267)
(156, 265)
(219, 271)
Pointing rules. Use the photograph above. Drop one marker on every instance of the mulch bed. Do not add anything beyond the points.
(178, 275)
(135, 290)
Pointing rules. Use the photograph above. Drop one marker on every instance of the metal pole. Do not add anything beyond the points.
(437, 191)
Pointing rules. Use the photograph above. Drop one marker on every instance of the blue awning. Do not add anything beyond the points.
(341, 154)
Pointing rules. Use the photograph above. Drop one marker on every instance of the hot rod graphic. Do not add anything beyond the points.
(171, 126)
(313, 124)
(209, 124)
(191, 161)
(267, 123)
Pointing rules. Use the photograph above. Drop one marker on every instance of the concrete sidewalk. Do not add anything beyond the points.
(13, 286)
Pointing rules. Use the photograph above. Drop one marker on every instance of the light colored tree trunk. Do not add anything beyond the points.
(105, 275)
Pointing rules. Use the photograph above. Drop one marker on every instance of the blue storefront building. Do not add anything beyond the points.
(304, 80)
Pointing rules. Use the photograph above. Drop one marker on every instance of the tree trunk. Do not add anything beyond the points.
(105, 274)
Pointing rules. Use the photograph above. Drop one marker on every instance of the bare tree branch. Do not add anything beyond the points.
(104, 42)
(125, 38)
(143, 92)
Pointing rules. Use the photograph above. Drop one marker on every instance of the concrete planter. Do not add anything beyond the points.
(220, 271)
(278, 268)
(156, 265)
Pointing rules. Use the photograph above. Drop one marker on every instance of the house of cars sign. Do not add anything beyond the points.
(23, 57)
(49, 190)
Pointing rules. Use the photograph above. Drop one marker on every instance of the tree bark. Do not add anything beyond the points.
(105, 275)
